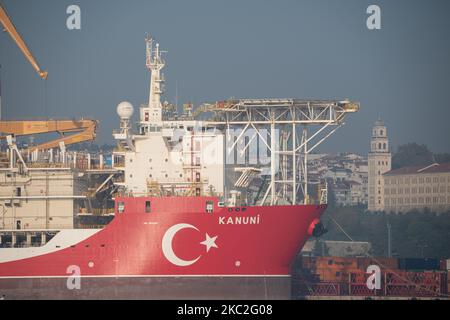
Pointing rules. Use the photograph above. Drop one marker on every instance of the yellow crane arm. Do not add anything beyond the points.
(85, 129)
(9, 27)
(87, 134)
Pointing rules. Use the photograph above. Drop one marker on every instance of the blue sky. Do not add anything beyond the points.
(243, 49)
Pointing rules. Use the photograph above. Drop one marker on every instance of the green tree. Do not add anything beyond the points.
(412, 154)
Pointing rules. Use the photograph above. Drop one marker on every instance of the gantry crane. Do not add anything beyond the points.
(85, 128)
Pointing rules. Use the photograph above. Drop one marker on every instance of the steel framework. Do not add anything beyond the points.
(302, 126)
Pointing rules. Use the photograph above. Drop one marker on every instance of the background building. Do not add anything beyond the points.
(417, 187)
(379, 161)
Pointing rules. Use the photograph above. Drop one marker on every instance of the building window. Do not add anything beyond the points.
(384, 146)
(420, 180)
(435, 179)
(381, 132)
(428, 190)
(414, 190)
(148, 206)
(428, 180)
(414, 180)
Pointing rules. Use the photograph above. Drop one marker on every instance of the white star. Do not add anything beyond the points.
(209, 242)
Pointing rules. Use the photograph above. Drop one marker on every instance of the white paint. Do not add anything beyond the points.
(63, 239)
(210, 242)
(167, 245)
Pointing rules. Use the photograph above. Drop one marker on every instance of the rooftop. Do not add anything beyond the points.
(433, 168)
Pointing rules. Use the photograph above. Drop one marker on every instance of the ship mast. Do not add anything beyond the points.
(151, 114)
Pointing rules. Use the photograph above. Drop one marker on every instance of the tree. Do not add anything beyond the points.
(412, 154)
(442, 157)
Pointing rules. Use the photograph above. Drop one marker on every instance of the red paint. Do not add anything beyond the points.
(132, 243)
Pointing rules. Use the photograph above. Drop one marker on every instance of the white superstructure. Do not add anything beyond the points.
(167, 157)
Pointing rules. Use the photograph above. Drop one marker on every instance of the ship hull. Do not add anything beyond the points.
(150, 288)
(162, 248)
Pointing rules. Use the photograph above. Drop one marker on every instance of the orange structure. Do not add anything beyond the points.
(84, 130)
(9, 27)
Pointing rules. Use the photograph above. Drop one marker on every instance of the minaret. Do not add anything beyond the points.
(151, 114)
(379, 163)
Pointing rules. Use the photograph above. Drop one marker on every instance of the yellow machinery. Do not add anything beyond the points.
(9, 27)
(85, 128)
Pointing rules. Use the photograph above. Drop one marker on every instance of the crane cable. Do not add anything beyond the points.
(45, 98)
(408, 281)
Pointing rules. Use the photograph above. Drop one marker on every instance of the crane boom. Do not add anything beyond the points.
(9, 27)
(84, 130)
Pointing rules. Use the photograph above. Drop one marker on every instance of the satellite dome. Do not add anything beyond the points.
(125, 110)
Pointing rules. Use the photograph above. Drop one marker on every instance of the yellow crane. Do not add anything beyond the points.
(9, 27)
(85, 128)
(85, 131)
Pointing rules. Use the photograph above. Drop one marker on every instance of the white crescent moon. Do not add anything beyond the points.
(167, 245)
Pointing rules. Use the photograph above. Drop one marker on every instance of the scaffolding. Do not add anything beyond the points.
(290, 129)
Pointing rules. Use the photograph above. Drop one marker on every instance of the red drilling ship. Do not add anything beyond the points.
(211, 208)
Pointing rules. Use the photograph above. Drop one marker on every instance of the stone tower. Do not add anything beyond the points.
(379, 162)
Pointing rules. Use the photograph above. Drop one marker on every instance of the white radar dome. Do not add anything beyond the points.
(125, 110)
